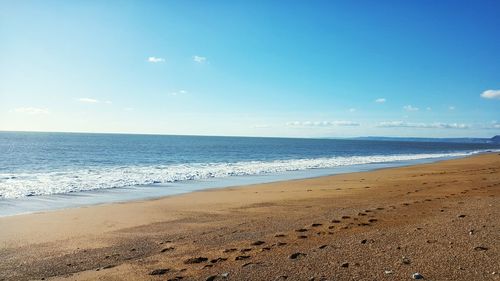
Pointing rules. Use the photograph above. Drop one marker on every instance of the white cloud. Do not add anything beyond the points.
(429, 108)
(402, 124)
(352, 109)
(451, 107)
(322, 123)
(88, 100)
(261, 126)
(380, 100)
(199, 59)
(410, 108)
(494, 125)
(128, 109)
(91, 100)
(31, 110)
(177, 93)
(155, 60)
(491, 94)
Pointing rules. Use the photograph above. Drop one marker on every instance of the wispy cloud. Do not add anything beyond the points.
(429, 108)
(352, 109)
(91, 100)
(494, 125)
(410, 108)
(177, 93)
(402, 124)
(88, 100)
(155, 60)
(199, 59)
(451, 107)
(491, 94)
(322, 123)
(31, 110)
(380, 100)
(261, 126)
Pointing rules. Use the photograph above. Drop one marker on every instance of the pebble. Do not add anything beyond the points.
(239, 258)
(296, 255)
(257, 243)
(195, 260)
(345, 264)
(406, 260)
(417, 275)
(160, 271)
(388, 272)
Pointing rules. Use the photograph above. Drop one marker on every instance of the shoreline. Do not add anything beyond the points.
(64, 201)
(414, 208)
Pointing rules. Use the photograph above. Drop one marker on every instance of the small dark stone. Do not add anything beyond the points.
(218, 260)
(335, 221)
(239, 258)
(281, 243)
(316, 224)
(302, 236)
(345, 264)
(480, 248)
(301, 230)
(159, 271)
(417, 275)
(461, 216)
(372, 220)
(296, 255)
(323, 246)
(257, 243)
(196, 260)
(230, 250)
(211, 278)
(167, 249)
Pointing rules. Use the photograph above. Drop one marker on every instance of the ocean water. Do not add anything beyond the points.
(40, 171)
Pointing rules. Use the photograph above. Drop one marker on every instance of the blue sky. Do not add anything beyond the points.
(253, 68)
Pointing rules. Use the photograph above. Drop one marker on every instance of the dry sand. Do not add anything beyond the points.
(441, 220)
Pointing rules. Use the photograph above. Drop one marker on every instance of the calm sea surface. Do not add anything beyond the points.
(55, 164)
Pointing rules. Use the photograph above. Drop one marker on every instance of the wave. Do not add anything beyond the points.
(66, 181)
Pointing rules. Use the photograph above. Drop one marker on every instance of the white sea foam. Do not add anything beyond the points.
(29, 184)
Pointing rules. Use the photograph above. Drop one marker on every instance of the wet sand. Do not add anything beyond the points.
(440, 220)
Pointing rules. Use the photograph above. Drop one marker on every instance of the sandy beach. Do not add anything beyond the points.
(441, 220)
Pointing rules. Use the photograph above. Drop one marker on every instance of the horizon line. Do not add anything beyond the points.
(243, 136)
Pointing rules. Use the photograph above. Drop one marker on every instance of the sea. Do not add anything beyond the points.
(48, 171)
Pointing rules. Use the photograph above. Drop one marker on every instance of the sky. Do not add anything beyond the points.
(252, 68)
